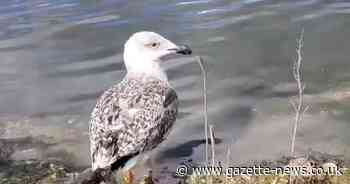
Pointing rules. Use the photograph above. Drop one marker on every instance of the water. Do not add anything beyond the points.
(58, 56)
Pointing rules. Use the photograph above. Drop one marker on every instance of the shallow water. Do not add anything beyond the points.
(58, 56)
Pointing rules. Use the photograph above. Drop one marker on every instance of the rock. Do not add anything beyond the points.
(98, 176)
(297, 163)
(329, 167)
(5, 151)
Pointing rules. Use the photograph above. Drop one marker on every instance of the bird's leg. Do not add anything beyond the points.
(129, 177)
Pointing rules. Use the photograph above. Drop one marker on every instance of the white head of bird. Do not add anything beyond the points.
(145, 51)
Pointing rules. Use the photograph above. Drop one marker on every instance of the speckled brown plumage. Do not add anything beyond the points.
(132, 117)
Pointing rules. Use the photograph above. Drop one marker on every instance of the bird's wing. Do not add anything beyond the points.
(151, 113)
(129, 119)
(103, 140)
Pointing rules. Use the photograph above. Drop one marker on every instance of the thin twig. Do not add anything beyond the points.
(212, 143)
(228, 155)
(291, 101)
(306, 109)
(205, 107)
(297, 74)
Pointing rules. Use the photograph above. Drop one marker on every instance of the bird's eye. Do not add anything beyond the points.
(154, 45)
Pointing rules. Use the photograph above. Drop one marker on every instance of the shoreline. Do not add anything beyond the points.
(55, 171)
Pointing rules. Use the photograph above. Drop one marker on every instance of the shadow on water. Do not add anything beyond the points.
(185, 149)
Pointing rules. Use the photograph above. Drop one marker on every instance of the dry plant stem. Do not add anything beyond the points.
(228, 154)
(297, 74)
(205, 107)
(212, 143)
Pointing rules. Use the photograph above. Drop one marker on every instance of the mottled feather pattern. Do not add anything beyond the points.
(133, 116)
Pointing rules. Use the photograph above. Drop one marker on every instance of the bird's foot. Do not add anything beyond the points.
(129, 177)
(148, 179)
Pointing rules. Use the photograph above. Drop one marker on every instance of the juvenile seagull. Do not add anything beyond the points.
(135, 115)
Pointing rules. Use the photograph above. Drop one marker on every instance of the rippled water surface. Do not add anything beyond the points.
(57, 57)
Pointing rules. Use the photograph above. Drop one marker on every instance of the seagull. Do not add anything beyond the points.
(135, 115)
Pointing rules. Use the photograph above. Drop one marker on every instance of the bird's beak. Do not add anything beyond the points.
(183, 49)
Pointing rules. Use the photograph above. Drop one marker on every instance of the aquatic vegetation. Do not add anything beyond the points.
(33, 172)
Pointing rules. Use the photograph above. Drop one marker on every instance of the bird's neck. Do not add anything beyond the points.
(154, 71)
